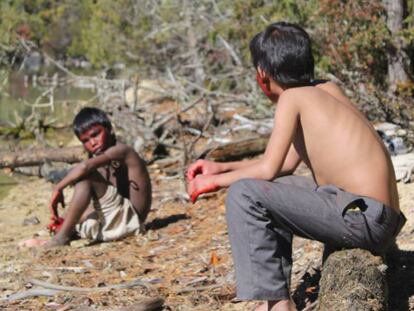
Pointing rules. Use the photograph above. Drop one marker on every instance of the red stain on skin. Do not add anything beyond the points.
(55, 225)
(209, 188)
(264, 84)
(95, 139)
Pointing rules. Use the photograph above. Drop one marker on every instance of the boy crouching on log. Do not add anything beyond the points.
(352, 199)
(112, 189)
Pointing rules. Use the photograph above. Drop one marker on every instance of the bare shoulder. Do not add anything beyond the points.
(321, 92)
(119, 151)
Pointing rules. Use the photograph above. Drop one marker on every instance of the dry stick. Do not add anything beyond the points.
(65, 70)
(173, 115)
(134, 283)
(236, 149)
(205, 127)
(200, 288)
(231, 51)
(33, 157)
(33, 292)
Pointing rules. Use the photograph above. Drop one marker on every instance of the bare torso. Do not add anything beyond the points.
(131, 178)
(341, 147)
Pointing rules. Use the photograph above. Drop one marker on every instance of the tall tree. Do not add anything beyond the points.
(396, 55)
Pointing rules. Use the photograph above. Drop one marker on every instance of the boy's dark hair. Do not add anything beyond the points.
(283, 51)
(88, 117)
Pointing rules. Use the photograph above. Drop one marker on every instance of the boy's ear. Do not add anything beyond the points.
(261, 73)
(264, 83)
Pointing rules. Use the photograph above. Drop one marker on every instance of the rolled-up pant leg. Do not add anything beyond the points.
(261, 217)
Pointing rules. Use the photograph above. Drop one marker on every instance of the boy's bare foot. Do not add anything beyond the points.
(279, 305)
(56, 241)
(33, 243)
(44, 243)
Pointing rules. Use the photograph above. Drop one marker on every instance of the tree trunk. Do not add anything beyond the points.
(39, 156)
(397, 58)
(353, 280)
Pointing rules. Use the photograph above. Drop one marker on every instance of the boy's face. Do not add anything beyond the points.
(96, 139)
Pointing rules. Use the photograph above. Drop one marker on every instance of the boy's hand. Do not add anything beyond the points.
(57, 197)
(201, 184)
(203, 167)
(55, 225)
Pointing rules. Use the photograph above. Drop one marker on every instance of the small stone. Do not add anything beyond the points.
(31, 221)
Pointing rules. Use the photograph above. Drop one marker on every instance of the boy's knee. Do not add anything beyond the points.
(84, 183)
(83, 186)
(238, 192)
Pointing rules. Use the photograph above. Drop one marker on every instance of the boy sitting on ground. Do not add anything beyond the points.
(352, 199)
(112, 189)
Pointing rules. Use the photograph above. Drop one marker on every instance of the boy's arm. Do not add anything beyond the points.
(271, 164)
(206, 167)
(81, 170)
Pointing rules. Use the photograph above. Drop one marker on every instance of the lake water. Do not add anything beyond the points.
(16, 98)
(18, 94)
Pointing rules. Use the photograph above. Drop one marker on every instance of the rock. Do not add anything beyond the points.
(31, 221)
(403, 166)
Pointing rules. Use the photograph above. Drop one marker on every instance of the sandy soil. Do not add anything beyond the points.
(185, 253)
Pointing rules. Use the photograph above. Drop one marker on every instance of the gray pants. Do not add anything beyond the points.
(262, 216)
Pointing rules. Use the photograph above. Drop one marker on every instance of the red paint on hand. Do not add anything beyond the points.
(55, 225)
(194, 170)
(206, 189)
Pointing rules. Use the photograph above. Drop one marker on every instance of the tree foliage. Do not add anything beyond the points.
(205, 41)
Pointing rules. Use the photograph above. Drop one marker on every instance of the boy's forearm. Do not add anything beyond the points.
(236, 165)
(257, 170)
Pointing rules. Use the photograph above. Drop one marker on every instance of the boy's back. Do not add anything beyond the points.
(339, 145)
(353, 199)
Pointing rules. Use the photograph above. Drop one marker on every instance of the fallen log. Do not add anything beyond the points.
(34, 157)
(353, 280)
(236, 150)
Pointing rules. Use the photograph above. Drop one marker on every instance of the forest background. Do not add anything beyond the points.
(196, 54)
(366, 46)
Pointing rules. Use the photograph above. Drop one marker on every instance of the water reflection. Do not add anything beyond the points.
(22, 91)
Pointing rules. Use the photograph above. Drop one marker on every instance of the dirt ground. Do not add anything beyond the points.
(184, 257)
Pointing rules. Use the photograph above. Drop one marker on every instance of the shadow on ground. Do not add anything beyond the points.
(400, 279)
(159, 223)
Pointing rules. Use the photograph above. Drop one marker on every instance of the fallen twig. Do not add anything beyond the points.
(134, 283)
(199, 288)
(33, 292)
(168, 118)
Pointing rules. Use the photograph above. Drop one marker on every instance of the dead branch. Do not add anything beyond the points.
(168, 118)
(34, 157)
(236, 150)
(33, 292)
(137, 282)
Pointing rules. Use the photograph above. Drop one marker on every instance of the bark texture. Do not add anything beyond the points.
(353, 280)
